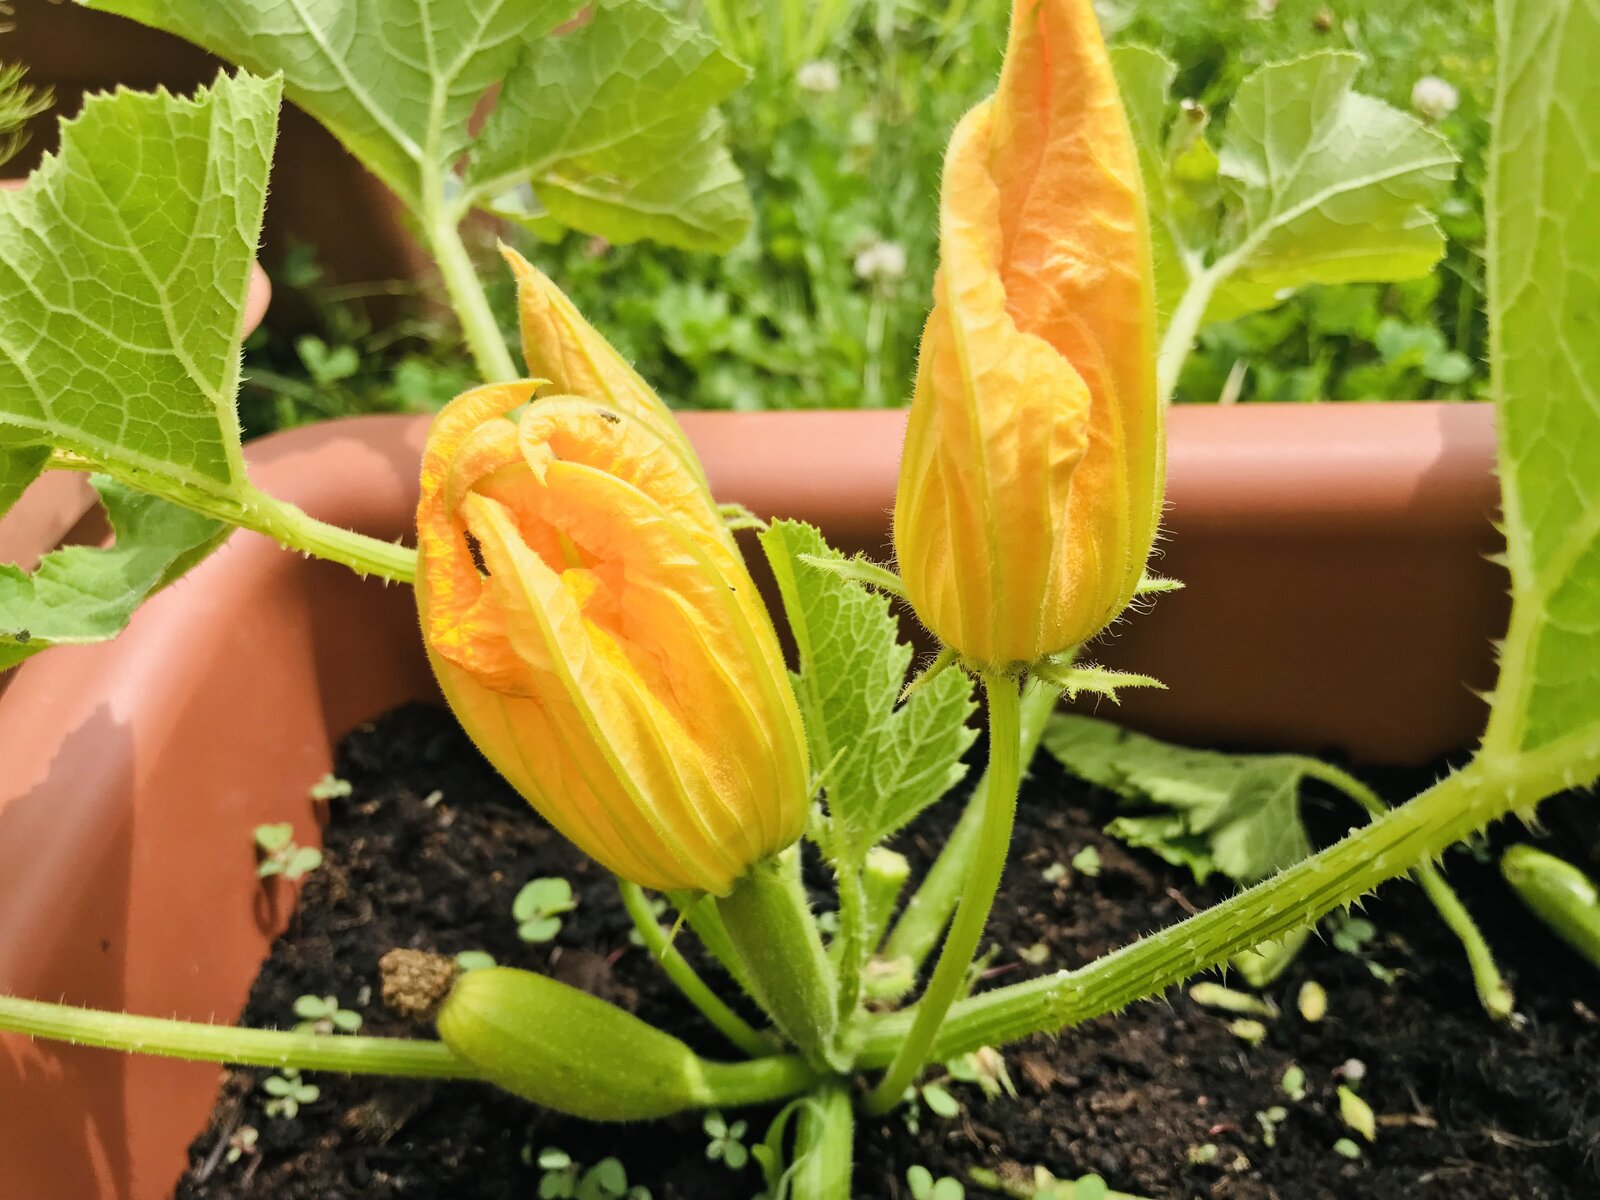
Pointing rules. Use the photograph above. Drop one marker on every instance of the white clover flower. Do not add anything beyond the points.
(881, 262)
(1433, 98)
(820, 77)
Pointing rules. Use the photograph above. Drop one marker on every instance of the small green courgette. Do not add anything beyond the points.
(1559, 894)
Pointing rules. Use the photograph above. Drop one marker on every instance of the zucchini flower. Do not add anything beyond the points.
(1031, 482)
(600, 639)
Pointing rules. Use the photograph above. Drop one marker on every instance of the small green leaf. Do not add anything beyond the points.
(889, 762)
(1238, 814)
(940, 1102)
(615, 126)
(1357, 1114)
(540, 929)
(272, 838)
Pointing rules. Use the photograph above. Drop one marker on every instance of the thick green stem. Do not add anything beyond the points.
(198, 1042)
(488, 347)
(1494, 992)
(972, 912)
(849, 950)
(364, 555)
(734, 1027)
(770, 925)
(759, 1081)
(1454, 808)
(917, 931)
(824, 1145)
(1184, 326)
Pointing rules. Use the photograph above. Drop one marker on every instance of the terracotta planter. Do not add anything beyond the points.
(1338, 597)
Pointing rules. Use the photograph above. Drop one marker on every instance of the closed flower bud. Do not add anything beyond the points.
(601, 641)
(1033, 471)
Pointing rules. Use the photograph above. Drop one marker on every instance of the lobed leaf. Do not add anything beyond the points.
(1544, 294)
(124, 266)
(888, 761)
(615, 127)
(83, 594)
(1234, 813)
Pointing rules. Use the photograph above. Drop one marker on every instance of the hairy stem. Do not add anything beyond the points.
(849, 950)
(1454, 808)
(770, 925)
(732, 1026)
(488, 347)
(917, 931)
(364, 555)
(199, 1042)
(1493, 991)
(759, 1081)
(977, 898)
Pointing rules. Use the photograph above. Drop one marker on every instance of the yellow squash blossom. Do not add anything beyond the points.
(1033, 471)
(602, 642)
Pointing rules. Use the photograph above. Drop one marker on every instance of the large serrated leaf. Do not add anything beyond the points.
(615, 127)
(1544, 301)
(1309, 182)
(82, 594)
(1234, 813)
(884, 763)
(395, 80)
(124, 266)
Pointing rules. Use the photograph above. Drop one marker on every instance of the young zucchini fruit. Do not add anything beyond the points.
(572, 1052)
(1559, 894)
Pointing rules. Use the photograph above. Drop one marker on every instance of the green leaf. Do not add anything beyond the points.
(83, 594)
(1544, 292)
(889, 762)
(1325, 185)
(395, 80)
(18, 468)
(1308, 182)
(124, 266)
(1233, 813)
(615, 127)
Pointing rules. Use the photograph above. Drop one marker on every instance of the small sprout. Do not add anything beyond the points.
(1087, 862)
(322, 1014)
(1294, 1083)
(1269, 1119)
(330, 787)
(1204, 1155)
(940, 1102)
(1313, 1001)
(280, 855)
(474, 960)
(1357, 1114)
(1054, 873)
(1345, 1148)
(925, 1187)
(1248, 1029)
(1035, 955)
(986, 1068)
(1214, 995)
(538, 908)
(243, 1141)
(431, 800)
(727, 1141)
(1351, 934)
(289, 1094)
(562, 1179)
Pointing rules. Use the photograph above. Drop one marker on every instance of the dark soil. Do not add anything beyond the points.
(431, 847)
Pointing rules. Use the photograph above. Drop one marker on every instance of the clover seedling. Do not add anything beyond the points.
(322, 1014)
(242, 1142)
(282, 855)
(727, 1141)
(538, 908)
(1087, 862)
(289, 1093)
(562, 1179)
(330, 787)
(925, 1187)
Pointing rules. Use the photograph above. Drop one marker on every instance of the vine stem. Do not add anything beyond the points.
(729, 1023)
(198, 1042)
(972, 911)
(1494, 993)
(484, 340)
(928, 911)
(1455, 807)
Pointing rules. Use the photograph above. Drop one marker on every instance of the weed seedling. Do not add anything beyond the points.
(280, 854)
(322, 1014)
(538, 908)
(289, 1094)
(726, 1143)
(925, 1187)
